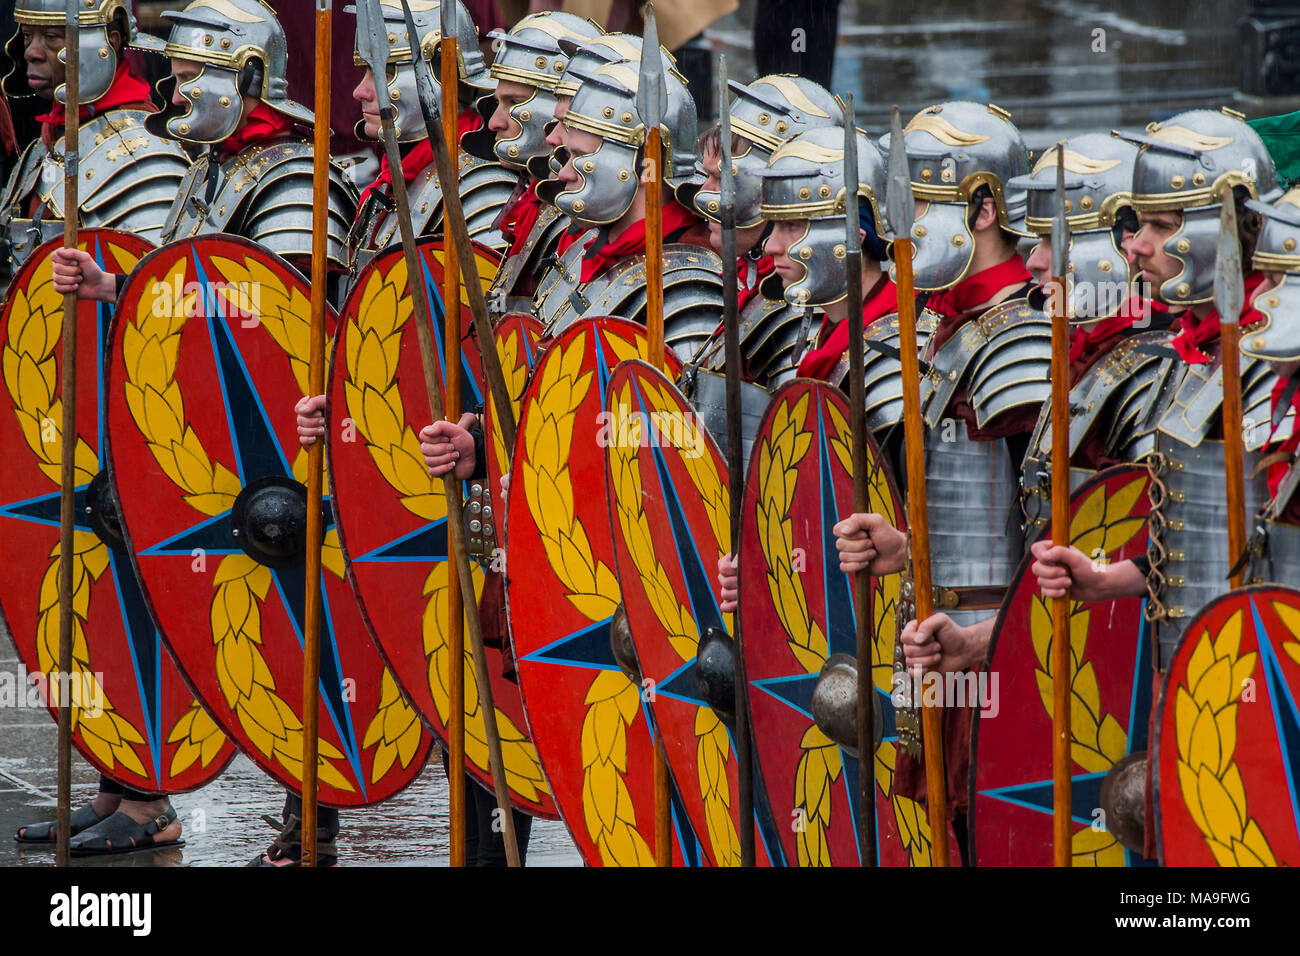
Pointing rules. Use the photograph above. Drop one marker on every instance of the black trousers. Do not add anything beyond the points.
(485, 844)
(796, 36)
(107, 785)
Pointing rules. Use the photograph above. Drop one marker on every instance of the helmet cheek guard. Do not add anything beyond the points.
(98, 65)
(1099, 275)
(1193, 247)
(608, 184)
(749, 192)
(943, 246)
(1277, 338)
(820, 252)
(212, 110)
(530, 142)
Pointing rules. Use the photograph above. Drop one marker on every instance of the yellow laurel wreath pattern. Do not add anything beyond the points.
(1205, 723)
(612, 700)
(511, 352)
(31, 372)
(1102, 524)
(713, 746)
(374, 402)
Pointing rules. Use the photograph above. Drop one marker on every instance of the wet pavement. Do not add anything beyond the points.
(223, 821)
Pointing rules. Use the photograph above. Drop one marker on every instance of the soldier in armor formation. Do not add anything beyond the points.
(255, 180)
(116, 146)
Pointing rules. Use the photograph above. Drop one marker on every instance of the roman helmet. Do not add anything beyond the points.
(1277, 338)
(605, 106)
(529, 54)
(766, 112)
(804, 180)
(952, 150)
(398, 87)
(243, 52)
(99, 61)
(1098, 209)
(1185, 164)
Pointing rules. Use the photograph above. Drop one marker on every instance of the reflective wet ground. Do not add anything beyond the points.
(223, 821)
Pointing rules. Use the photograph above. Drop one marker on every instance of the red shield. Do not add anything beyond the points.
(1011, 740)
(393, 515)
(670, 510)
(1228, 737)
(588, 719)
(134, 718)
(209, 354)
(517, 335)
(796, 610)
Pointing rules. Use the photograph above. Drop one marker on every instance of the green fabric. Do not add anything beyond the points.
(1281, 136)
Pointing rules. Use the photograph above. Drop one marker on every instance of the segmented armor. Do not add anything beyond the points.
(883, 368)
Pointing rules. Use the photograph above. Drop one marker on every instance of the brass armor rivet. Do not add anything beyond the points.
(1198, 179)
(424, 207)
(781, 127)
(1273, 301)
(221, 211)
(959, 241)
(589, 167)
(1177, 181)
(824, 191)
(1258, 342)
(805, 253)
(926, 175)
(103, 53)
(525, 115)
(90, 173)
(579, 205)
(559, 65)
(1069, 206)
(1288, 245)
(540, 62)
(1105, 265)
(624, 175)
(395, 94)
(714, 205)
(184, 128)
(948, 176)
(196, 92)
(608, 112)
(1184, 245)
(804, 192)
(918, 231)
(840, 251)
(1085, 202)
(226, 44)
(952, 376)
(764, 119)
(628, 117)
(225, 102)
(392, 39)
(207, 39)
(1183, 290)
(512, 150)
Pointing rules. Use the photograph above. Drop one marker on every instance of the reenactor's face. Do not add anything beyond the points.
(183, 71)
(712, 163)
(41, 46)
(785, 233)
(557, 136)
(580, 143)
(368, 97)
(1039, 262)
(1147, 247)
(508, 95)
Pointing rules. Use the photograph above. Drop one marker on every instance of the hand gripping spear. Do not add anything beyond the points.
(373, 40)
(902, 211)
(1061, 757)
(67, 470)
(1229, 298)
(651, 105)
(735, 463)
(861, 504)
(447, 11)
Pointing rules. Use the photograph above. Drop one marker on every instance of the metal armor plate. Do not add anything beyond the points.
(882, 370)
(668, 505)
(587, 715)
(1011, 822)
(208, 355)
(134, 718)
(539, 246)
(769, 332)
(392, 516)
(1228, 738)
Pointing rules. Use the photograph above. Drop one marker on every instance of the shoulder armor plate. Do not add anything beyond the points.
(883, 374)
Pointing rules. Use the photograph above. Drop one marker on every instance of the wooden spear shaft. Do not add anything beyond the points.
(67, 465)
(455, 607)
(316, 451)
(1234, 449)
(1061, 756)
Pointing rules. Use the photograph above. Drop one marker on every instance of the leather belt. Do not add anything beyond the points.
(961, 599)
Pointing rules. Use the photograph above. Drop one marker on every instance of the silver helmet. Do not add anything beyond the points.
(529, 54)
(766, 112)
(99, 61)
(605, 106)
(1277, 338)
(1098, 180)
(243, 52)
(804, 180)
(952, 150)
(398, 88)
(1185, 165)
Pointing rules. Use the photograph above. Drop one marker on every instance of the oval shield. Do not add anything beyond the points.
(670, 510)
(588, 718)
(1011, 734)
(209, 354)
(134, 718)
(393, 516)
(1228, 739)
(796, 610)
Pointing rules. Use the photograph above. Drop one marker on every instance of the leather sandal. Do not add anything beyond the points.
(120, 834)
(83, 818)
(288, 845)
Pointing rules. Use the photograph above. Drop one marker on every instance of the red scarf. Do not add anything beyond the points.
(569, 237)
(764, 267)
(263, 123)
(1196, 333)
(834, 339)
(413, 163)
(956, 304)
(1087, 345)
(127, 89)
(631, 241)
(519, 218)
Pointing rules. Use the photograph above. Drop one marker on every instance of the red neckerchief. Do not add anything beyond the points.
(631, 241)
(518, 221)
(413, 163)
(263, 123)
(956, 304)
(1196, 333)
(127, 89)
(764, 267)
(1277, 472)
(1087, 345)
(818, 362)
(568, 238)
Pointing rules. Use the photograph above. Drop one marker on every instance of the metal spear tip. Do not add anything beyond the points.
(426, 90)
(651, 93)
(448, 11)
(726, 172)
(1229, 294)
(1060, 224)
(899, 205)
(372, 37)
(852, 238)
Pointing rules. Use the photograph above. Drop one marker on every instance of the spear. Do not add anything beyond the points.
(902, 211)
(67, 469)
(372, 38)
(651, 105)
(735, 463)
(1061, 758)
(316, 451)
(447, 11)
(861, 504)
(1229, 297)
